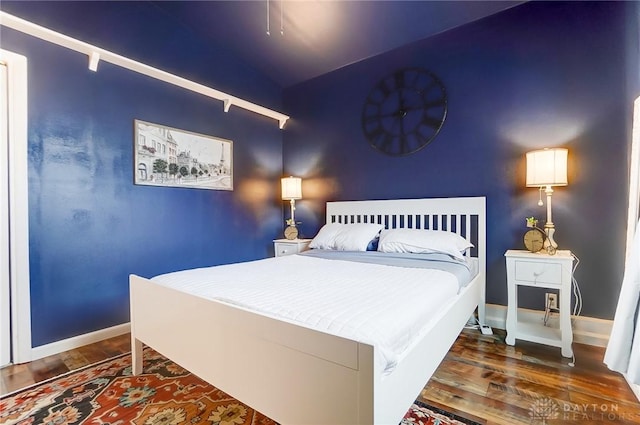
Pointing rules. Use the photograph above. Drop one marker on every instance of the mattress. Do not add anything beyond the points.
(387, 306)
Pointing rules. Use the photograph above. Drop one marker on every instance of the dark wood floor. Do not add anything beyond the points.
(481, 379)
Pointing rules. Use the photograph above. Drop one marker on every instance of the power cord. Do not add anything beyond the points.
(473, 326)
(577, 307)
(547, 312)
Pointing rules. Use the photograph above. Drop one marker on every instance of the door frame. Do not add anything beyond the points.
(634, 177)
(18, 206)
(5, 281)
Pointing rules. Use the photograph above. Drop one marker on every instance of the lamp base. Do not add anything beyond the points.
(292, 202)
(550, 244)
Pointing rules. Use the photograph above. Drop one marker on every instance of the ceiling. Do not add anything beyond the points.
(318, 36)
(322, 35)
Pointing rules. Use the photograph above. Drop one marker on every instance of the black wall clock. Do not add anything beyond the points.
(404, 112)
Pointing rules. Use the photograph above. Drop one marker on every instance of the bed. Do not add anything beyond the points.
(296, 374)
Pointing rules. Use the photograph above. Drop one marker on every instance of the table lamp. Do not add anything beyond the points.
(547, 168)
(292, 190)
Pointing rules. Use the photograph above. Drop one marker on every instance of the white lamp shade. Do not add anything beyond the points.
(547, 167)
(291, 188)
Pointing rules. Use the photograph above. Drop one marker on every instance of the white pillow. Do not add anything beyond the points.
(346, 237)
(325, 237)
(423, 241)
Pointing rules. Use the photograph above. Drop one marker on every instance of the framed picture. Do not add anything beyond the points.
(166, 156)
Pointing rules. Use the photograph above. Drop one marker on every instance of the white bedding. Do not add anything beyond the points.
(385, 306)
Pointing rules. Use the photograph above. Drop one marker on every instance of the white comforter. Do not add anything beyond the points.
(385, 306)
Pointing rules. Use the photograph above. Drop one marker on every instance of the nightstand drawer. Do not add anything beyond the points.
(537, 272)
(290, 246)
(285, 249)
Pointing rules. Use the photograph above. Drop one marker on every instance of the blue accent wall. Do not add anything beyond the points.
(90, 226)
(541, 74)
(544, 74)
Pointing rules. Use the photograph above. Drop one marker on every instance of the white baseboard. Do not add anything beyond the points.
(78, 341)
(635, 388)
(586, 330)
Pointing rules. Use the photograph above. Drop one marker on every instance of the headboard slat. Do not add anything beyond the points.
(464, 216)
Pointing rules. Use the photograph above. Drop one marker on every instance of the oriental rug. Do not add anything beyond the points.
(165, 394)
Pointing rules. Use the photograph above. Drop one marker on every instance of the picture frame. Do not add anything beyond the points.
(171, 157)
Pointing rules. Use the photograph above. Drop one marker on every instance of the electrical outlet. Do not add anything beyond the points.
(486, 330)
(551, 301)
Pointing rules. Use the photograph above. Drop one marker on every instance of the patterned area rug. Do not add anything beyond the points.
(165, 394)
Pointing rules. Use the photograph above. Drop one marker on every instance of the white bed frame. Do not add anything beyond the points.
(296, 375)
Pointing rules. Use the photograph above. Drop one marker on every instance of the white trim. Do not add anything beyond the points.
(586, 330)
(634, 387)
(5, 276)
(634, 176)
(96, 54)
(19, 206)
(79, 341)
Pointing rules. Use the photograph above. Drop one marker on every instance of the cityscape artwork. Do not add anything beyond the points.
(165, 156)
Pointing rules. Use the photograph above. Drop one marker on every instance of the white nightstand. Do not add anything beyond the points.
(542, 271)
(290, 246)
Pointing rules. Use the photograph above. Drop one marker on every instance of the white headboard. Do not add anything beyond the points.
(464, 216)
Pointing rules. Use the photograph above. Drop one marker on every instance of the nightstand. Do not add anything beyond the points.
(290, 246)
(540, 270)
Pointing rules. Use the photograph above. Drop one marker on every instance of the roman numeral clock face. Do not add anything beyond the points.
(404, 112)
